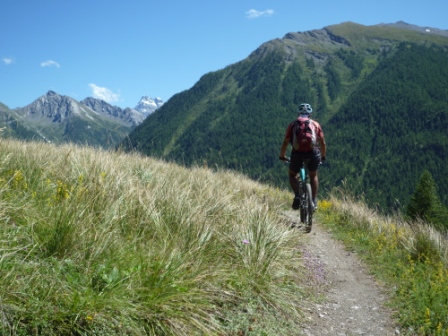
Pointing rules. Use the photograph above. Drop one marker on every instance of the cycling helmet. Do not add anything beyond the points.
(305, 109)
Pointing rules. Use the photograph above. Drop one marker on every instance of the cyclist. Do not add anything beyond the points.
(315, 156)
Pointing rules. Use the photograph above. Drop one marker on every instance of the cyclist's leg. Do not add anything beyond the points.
(313, 166)
(294, 168)
(314, 181)
(294, 182)
(295, 186)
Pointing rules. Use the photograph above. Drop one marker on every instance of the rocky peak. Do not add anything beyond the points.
(52, 106)
(320, 35)
(51, 93)
(100, 106)
(148, 105)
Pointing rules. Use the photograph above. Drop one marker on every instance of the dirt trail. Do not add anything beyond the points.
(354, 302)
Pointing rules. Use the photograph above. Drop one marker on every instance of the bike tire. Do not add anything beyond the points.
(306, 209)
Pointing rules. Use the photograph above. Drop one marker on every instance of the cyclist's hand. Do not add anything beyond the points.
(284, 158)
(322, 159)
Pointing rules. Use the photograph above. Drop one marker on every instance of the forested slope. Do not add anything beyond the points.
(394, 127)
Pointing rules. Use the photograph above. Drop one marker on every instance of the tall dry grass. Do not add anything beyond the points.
(101, 242)
(409, 234)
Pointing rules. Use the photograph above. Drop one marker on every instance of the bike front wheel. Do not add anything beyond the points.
(306, 209)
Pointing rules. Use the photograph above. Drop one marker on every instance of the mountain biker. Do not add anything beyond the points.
(315, 156)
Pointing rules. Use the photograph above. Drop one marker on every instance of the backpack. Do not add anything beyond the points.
(303, 135)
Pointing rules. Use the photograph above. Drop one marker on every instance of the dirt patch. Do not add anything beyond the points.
(353, 304)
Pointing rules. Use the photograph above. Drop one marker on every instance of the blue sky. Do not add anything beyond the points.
(120, 51)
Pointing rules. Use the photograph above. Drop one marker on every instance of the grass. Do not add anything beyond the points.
(103, 243)
(410, 259)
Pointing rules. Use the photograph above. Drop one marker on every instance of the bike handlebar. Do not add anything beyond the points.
(284, 159)
(287, 159)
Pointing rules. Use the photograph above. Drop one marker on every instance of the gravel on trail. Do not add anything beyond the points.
(353, 302)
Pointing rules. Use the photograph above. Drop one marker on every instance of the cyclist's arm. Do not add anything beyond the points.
(284, 147)
(323, 147)
(286, 141)
(321, 140)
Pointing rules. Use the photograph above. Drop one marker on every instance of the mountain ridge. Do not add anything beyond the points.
(128, 116)
(426, 29)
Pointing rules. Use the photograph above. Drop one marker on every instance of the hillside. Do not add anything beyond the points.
(236, 117)
(103, 243)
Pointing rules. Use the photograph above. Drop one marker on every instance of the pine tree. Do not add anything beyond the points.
(425, 203)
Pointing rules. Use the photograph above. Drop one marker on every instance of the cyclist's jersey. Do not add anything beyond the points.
(318, 129)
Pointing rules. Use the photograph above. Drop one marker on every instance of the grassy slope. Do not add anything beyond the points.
(96, 242)
(104, 243)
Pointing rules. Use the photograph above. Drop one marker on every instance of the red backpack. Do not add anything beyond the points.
(303, 135)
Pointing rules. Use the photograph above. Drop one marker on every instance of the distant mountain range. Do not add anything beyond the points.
(57, 118)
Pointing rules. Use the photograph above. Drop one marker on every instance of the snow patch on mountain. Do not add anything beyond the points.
(148, 105)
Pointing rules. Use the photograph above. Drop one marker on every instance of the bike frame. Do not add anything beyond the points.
(306, 207)
(303, 173)
(306, 210)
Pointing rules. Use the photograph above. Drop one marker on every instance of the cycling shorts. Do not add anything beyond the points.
(297, 159)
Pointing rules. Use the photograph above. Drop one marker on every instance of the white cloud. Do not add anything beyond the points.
(50, 63)
(8, 60)
(253, 13)
(104, 94)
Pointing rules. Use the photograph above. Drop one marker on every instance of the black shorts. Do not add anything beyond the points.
(297, 159)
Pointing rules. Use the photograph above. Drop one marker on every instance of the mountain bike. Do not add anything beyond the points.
(306, 206)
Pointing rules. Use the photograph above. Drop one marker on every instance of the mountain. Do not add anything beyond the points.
(58, 119)
(128, 116)
(379, 93)
(148, 105)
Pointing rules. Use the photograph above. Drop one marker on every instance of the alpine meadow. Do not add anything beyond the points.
(379, 92)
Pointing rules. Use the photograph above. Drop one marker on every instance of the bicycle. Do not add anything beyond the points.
(306, 206)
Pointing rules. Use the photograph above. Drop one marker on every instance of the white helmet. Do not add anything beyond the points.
(305, 109)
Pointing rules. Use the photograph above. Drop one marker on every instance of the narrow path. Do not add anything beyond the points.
(353, 302)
